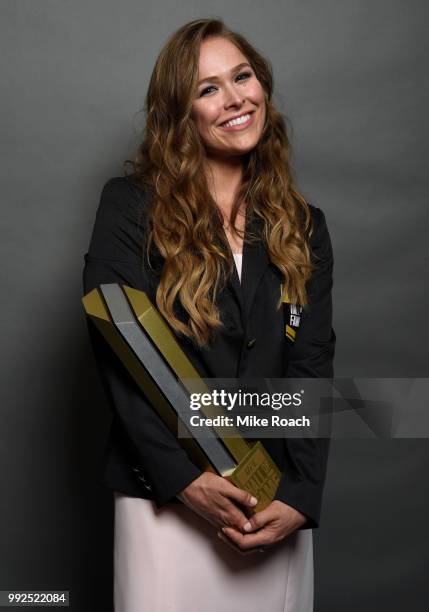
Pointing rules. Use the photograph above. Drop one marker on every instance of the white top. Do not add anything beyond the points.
(238, 258)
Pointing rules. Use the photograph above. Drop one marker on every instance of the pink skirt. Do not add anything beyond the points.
(171, 560)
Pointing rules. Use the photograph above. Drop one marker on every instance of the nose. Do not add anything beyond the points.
(232, 97)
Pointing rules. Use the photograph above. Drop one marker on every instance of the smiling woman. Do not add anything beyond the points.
(229, 114)
(211, 181)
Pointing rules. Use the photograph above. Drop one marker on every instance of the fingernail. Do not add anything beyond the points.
(247, 526)
(253, 501)
(223, 529)
(219, 535)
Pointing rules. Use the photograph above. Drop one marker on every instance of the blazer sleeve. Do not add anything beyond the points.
(115, 255)
(311, 356)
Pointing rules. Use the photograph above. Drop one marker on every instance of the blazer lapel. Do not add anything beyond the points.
(236, 288)
(254, 263)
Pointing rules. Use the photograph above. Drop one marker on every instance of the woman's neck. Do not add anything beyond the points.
(224, 178)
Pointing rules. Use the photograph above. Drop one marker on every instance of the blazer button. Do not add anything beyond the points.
(145, 483)
(251, 343)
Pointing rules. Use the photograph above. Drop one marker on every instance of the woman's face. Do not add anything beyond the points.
(227, 89)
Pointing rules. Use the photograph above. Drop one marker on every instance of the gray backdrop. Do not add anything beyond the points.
(350, 77)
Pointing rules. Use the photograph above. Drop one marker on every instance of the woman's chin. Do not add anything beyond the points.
(231, 152)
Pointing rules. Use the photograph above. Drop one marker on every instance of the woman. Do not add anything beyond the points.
(211, 185)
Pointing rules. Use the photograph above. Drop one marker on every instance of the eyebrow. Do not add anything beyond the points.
(215, 78)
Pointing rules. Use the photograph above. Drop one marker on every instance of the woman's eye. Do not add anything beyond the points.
(246, 75)
(204, 91)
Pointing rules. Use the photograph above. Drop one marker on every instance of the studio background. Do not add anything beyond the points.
(350, 77)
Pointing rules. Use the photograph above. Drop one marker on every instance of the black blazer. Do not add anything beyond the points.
(143, 458)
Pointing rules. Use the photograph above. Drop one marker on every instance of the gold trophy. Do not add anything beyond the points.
(147, 347)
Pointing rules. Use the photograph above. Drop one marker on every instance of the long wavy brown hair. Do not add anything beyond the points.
(185, 223)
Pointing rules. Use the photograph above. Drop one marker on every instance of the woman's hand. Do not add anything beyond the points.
(215, 499)
(265, 528)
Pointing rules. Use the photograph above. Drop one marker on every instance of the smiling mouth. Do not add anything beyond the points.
(238, 123)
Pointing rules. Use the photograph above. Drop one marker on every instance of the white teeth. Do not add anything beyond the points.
(237, 121)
